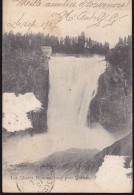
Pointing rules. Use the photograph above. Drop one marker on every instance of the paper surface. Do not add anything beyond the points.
(67, 96)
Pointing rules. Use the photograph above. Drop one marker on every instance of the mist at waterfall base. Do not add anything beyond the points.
(73, 84)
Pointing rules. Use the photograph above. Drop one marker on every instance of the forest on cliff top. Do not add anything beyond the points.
(24, 71)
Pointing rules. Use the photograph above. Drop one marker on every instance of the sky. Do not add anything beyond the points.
(73, 20)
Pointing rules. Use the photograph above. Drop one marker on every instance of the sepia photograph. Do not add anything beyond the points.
(67, 96)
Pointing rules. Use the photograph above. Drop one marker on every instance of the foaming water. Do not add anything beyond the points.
(73, 81)
(73, 84)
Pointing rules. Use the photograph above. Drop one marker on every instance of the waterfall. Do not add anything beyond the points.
(73, 84)
(73, 81)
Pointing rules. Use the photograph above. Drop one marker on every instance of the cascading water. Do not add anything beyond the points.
(73, 84)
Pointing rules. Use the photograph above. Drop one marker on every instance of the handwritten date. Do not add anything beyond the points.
(92, 19)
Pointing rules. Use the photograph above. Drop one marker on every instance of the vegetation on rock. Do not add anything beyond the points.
(112, 105)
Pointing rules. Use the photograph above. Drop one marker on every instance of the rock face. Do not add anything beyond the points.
(69, 158)
(122, 147)
(112, 105)
(87, 162)
(27, 71)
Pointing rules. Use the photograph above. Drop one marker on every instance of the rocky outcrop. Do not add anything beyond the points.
(112, 105)
(122, 147)
(24, 72)
(87, 163)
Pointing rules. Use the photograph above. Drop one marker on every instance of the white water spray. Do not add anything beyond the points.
(73, 84)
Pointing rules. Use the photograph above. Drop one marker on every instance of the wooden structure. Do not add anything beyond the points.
(47, 51)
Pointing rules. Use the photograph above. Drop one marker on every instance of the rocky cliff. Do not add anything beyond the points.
(122, 147)
(27, 71)
(87, 162)
(112, 105)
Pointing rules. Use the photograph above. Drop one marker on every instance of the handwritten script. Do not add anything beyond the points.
(73, 3)
(92, 13)
(93, 19)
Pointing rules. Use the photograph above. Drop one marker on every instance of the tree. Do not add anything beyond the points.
(120, 43)
(67, 44)
(89, 42)
(81, 42)
(125, 41)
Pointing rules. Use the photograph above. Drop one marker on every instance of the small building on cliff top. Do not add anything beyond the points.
(47, 51)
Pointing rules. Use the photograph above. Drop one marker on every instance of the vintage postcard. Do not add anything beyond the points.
(67, 96)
